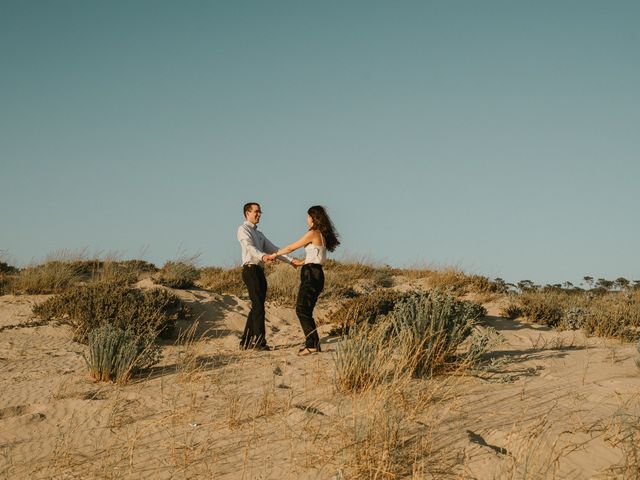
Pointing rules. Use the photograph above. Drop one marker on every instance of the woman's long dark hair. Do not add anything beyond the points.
(322, 222)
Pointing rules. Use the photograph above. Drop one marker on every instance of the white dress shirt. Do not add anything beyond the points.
(255, 245)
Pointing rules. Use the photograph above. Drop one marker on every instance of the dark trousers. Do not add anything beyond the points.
(311, 284)
(254, 331)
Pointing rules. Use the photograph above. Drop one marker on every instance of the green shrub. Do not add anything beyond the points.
(418, 336)
(114, 354)
(177, 275)
(434, 325)
(94, 305)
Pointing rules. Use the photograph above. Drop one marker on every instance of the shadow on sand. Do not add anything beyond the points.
(202, 363)
(210, 312)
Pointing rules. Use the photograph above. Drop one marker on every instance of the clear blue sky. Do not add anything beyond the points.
(500, 136)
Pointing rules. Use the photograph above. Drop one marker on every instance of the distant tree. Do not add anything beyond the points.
(604, 283)
(526, 285)
(501, 285)
(6, 268)
(567, 285)
(588, 281)
(622, 283)
(636, 284)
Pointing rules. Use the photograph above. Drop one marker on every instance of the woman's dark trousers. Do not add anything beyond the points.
(311, 284)
(254, 331)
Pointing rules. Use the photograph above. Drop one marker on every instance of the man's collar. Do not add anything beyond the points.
(251, 225)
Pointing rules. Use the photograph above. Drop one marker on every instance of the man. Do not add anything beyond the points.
(255, 253)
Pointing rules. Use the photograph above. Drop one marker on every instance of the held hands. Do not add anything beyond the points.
(295, 263)
(269, 258)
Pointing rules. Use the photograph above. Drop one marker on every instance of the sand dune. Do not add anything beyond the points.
(551, 406)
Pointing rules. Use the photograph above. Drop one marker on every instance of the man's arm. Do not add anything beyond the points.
(271, 248)
(246, 240)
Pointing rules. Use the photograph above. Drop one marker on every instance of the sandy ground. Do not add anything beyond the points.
(547, 404)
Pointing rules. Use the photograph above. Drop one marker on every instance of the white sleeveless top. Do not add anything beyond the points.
(316, 253)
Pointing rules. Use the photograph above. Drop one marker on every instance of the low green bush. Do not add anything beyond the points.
(94, 305)
(419, 335)
(115, 354)
(432, 326)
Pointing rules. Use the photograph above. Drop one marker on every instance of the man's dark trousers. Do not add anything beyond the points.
(254, 331)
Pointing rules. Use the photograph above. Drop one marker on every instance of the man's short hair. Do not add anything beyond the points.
(247, 207)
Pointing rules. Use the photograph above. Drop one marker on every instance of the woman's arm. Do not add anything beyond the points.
(304, 240)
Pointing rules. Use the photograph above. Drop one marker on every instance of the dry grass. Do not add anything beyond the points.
(179, 273)
(64, 269)
(222, 280)
(612, 314)
(364, 309)
(454, 280)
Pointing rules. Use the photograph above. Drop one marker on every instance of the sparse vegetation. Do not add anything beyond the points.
(511, 310)
(92, 306)
(456, 281)
(63, 270)
(222, 280)
(546, 308)
(49, 277)
(178, 274)
(607, 314)
(364, 309)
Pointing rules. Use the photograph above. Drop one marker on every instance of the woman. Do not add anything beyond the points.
(320, 237)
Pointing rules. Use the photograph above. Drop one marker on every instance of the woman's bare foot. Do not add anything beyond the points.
(304, 351)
